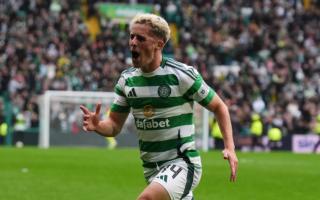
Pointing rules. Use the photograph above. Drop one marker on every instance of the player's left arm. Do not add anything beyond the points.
(199, 91)
(221, 112)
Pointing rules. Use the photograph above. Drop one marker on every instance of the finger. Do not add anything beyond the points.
(233, 178)
(98, 108)
(234, 166)
(84, 109)
(86, 117)
(234, 175)
(84, 128)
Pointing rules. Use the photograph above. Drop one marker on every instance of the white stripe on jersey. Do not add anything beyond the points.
(159, 156)
(120, 100)
(188, 145)
(204, 91)
(159, 135)
(152, 91)
(166, 112)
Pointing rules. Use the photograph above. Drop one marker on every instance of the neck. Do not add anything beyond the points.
(156, 62)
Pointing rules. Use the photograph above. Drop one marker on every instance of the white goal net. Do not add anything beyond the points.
(61, 121)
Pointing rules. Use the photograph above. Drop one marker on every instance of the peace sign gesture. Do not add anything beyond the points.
(91, 119)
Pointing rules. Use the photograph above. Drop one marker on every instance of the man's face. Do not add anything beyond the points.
(142, 45)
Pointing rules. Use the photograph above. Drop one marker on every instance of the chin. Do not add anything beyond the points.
(135, 64)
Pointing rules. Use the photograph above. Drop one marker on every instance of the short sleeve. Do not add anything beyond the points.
(120, 102)
(198, 89)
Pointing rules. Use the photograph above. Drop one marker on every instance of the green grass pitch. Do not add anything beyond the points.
(97, 173)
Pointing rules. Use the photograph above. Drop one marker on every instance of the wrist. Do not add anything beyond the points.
(98, 127)
(230, 147)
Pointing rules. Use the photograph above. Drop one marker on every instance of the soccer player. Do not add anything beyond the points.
(160, 93)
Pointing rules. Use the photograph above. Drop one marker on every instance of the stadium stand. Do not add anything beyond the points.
(261, 56)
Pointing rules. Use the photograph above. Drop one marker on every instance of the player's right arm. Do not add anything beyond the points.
(111, 126)
(108, 127)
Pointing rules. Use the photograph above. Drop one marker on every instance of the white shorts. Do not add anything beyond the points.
(178, 178)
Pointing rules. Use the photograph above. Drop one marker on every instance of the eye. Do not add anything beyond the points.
(141, 38)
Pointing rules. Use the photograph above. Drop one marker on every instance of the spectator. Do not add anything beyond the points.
(46, 45)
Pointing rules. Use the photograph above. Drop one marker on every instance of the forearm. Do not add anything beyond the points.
(219, 108)
(107, 128)
(223, 118)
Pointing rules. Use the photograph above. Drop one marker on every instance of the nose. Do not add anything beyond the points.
(133, 41)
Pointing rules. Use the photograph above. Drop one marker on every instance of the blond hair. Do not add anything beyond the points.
(159, 26)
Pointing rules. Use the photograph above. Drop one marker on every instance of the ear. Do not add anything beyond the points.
(160, 44)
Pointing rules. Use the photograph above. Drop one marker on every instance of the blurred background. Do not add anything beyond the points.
(262, 57)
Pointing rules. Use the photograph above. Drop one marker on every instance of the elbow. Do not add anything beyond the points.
(115, 130)
(222, 108)
(218, 106)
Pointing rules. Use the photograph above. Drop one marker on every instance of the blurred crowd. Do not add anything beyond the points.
(261, 56)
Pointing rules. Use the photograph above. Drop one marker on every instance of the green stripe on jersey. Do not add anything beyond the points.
(118, 108)
(164, 145)
(207, 100)
(164, 123)
(139, 81)
(195, 87)
(192, 153)
(156, 102)
(118, 91)
(188, 153)
(154, 164)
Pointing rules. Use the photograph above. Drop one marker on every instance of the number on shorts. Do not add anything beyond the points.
(175, 172)
(164, 169)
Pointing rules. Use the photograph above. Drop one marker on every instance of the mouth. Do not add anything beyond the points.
(135, 54)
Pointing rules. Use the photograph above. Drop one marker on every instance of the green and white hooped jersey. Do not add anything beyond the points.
(162, 105)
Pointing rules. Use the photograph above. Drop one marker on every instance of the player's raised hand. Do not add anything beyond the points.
(231, 156)
(90, 119)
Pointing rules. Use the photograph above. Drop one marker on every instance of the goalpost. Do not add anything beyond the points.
(61, 120)
(60, 115)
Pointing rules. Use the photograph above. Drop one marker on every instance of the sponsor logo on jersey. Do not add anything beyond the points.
(132, 93)
(164, 91)
(152, 123)
(148, 111)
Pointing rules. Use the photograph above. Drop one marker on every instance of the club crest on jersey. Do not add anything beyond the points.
(148, 111)
(164, 91)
